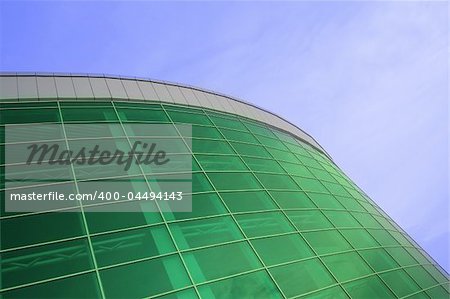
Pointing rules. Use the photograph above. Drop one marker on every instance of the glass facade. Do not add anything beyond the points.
(273, 217)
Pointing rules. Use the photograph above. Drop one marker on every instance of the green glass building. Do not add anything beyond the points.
(272, 215)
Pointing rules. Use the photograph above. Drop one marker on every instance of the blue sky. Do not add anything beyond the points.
(369, 80)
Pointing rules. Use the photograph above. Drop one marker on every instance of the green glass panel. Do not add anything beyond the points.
(310, 162)
(264, 223)
(401, 256)
(281, 249)
(368, 288)
(216, 262)
(312, 185)
(252, 285)
(438, 275)
(400, 282)
(322, 175)
(296, 169)
(341, 219)
(211, 146)
(22, 116)
(234, 181)
(285, 138)
(205, 132)
(88, 114)
(350, 204)
(421, 276)
(100, 221)
(203, 232)
(282, 155)
(383, 237)
(44, 262)
(225, 122)
(144, 279)
(220, 162)
(359, 238)
(238, 136)
(329, 293)
(367, 220)
(292, 199)
(325, 201)
(438, 292)
(206, 204)
(378, 259)
(200, 183)
(276, 181)
(346, 266)
(301, 277)
(327, 241)
(188, 118)
(131, 245)
(259, 129)
(296, 149)
(248, 201)
(143, 115)
(250, 150)
(32, 229)
(80, 286)
(335, 189)
(264, 165)
(272, 142)
(417, 255)
(309, 220)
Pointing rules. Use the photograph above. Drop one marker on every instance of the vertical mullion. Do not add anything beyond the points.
(157, 205)
(91, 248)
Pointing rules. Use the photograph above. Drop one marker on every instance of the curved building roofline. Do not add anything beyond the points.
(22, 86)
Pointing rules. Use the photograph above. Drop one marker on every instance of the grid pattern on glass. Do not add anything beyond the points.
(268, 210)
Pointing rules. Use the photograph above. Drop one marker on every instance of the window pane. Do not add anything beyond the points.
(131, 245)
(205, 132)
(133, 280)
(280, 249)
(32, 229)
(44, 262)
(188, 118)
(296, 169)
(263, 224)
(232, 123)
(238, 136)
(301, 277)
(379, 259)
(342, 219)
(292, 200)
(248, 201)
(276, 181)
(20, 116)
(359, 238)
(327, 241)
(234, 181)
(197, 233)
(216, 262)
(144, 115)
(250, 150)
(206, 204)
(401, 256)
(310, 185)
(80, 286)
(89, 114)
(368, 288)
(253, 285)
(219, 162)
(258, 164)
(309, 220)
(325, 201)
(346, 266)
(421, 276)
(334, 292)
(211, 146)
(400, 282)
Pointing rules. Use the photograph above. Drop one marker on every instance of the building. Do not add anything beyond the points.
(273, 216)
